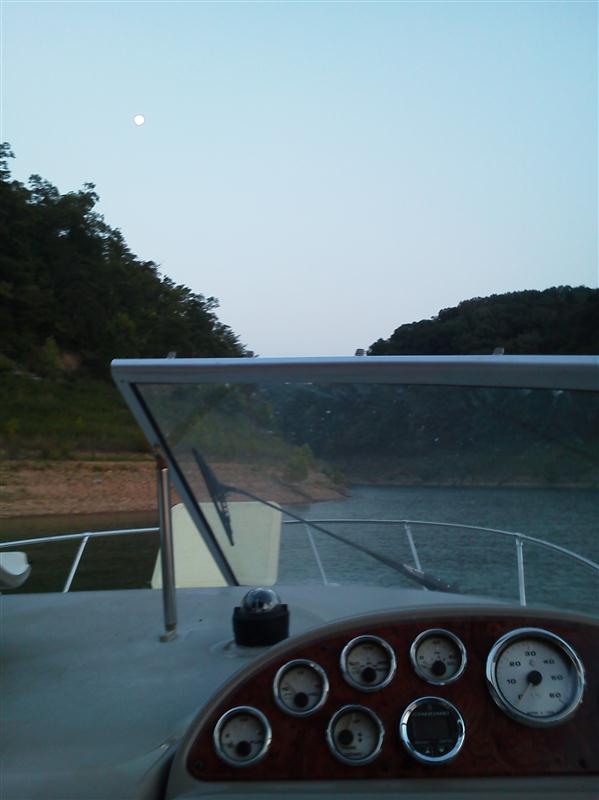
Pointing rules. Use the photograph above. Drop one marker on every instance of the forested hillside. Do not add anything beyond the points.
(73, 296)
(558, 321)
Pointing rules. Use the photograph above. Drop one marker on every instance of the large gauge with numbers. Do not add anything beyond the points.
(535, 677)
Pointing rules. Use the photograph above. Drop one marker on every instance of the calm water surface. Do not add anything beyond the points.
(479, 563)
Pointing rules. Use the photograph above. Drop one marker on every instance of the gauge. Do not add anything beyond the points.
(368, 663)
(535, 676)
(300, 687)
(242, 736)
(355, 735)
(432, 730)
(438, 656)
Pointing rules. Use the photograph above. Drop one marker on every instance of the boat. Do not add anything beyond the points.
(307, 634)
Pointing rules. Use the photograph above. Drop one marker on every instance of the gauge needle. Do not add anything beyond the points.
(528, 685)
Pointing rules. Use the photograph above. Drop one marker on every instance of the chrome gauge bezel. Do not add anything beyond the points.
(232, 712)
(497, 695)
(449, 635)
(405, 739)
(331, 741)
(277, 681)
(347, 650)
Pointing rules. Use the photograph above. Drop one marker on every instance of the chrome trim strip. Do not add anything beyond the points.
(449, 635)
(234, 712)
(529, 372)
(281, 672)
(345, 671)
(331, 741)
(405, 738)
(497, 695)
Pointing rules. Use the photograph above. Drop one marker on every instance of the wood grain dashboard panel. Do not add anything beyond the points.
(495, 744)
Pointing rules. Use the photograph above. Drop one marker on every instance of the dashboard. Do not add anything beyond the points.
(438, 692)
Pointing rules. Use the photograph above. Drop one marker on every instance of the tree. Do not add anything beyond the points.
(69, 278)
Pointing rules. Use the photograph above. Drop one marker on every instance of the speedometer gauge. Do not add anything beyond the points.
(535, 677)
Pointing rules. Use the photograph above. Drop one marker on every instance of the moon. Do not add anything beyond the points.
(139, 119)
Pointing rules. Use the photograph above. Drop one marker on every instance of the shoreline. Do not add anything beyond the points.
(117, 485)
(38, 488)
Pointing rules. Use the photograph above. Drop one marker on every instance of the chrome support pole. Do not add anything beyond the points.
(167, 557)
(520, 561)
(75, 564)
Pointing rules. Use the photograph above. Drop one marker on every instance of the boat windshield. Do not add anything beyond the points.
(472, 490)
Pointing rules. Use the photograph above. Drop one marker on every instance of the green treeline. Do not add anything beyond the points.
(73, 296)
(558, 321)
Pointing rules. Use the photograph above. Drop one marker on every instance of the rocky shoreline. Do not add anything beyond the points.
(29, 488)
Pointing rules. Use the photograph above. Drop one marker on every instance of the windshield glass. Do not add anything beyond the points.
(402, 482)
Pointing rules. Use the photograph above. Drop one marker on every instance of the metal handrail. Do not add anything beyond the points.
(519, 539)
(516, 535)
(66, 537)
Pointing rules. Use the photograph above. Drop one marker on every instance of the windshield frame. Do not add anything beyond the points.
(579, 373)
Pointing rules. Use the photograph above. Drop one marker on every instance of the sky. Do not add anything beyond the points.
(327, 170)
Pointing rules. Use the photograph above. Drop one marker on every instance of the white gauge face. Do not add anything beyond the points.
(368, 663)
(438, 656)
(300, 687)
(355, 735)
(535, 676)
(242, 736)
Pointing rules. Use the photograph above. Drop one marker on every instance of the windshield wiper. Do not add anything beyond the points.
(218, 492)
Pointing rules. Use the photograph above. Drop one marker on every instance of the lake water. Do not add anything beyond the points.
(478, 563)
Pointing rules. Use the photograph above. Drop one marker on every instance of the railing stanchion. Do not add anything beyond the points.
(75, 564)
(323, 574)
(412, 544)
(410, 538)
(167, 558)
(520, 561)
